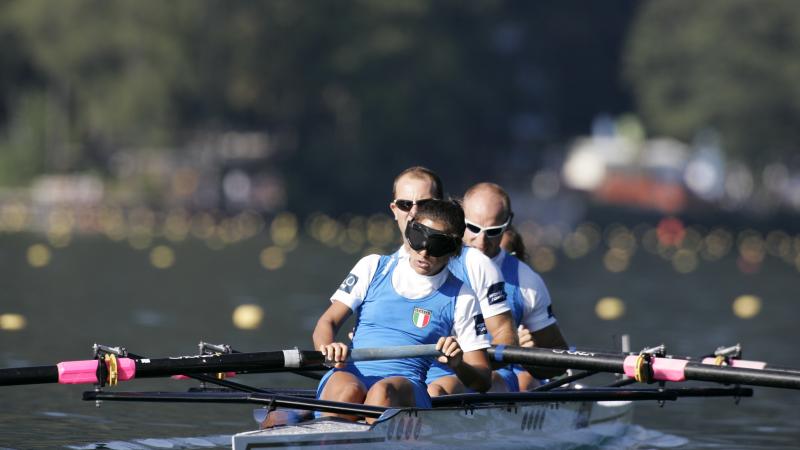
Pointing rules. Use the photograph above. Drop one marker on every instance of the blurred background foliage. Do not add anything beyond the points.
(352, 92)
(728, 64)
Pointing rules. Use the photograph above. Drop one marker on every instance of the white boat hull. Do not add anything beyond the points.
(521, 425)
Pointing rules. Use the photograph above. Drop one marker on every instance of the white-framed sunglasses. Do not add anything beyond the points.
(491, 232)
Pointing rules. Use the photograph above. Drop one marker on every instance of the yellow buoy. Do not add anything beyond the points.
(609, 308)
(12, 322)
(248, 316)
(746, 306)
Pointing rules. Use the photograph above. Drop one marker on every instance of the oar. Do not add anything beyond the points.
(113, 369)
(271, 400)
(587, 394)
(646, 367)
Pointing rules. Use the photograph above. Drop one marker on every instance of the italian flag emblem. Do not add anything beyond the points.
(421, 317)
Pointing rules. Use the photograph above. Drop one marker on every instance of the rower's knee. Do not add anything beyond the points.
(435, 390)
(382, 394)
(392, 391)
(349, 392)
(344, 388)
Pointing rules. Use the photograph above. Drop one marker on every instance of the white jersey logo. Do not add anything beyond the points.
(348, 283)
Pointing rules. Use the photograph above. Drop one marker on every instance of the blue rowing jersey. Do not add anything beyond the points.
(513, 297)
(510, 270)
(386, 318)
(495, 298)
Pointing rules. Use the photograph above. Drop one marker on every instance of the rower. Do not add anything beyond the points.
(405, 301)
(487, 209)
(415, 186)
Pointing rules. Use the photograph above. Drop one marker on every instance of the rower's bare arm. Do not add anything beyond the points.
(472, 368)
(475, 371)
(325, 333)
(548, 337)
(502, 329)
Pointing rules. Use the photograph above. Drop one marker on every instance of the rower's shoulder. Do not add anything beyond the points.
(529, 276)
(370, 260)
(367, 266)
(472, 257)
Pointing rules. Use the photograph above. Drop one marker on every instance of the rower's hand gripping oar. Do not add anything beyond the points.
(112, 369)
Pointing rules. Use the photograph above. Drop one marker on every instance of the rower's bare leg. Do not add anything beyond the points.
(446, 385)
(498, 383)
(527, 382)
(344, 387)
(391, 391)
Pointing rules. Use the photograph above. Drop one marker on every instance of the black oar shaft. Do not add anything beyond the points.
(28, 375)
(75, 372)
(234, 362)
(609, 362)
(115, 369)
(735, 375)
(273, 400)
(603, 362)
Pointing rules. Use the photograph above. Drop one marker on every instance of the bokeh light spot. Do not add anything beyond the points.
(543, 259)
(12, 322)
(609, 308)
(746, 306)
(670, 232)
(273, 258)
(162, 257)
(616, 260)
(39, 255)
(576, 245)
(284, 229)
(248, 316)
(684, 261)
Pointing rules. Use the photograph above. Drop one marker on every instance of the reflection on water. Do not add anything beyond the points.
(105, 292)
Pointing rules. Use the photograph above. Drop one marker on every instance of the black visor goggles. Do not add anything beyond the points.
(435, 242)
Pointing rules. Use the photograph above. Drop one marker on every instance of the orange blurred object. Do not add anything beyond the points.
(643, 191)
(670, 232)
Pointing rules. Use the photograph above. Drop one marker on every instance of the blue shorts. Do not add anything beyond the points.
(421, 397)
(509, 375)
(436, 371)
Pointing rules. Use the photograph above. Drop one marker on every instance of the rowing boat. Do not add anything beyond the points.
(556, 415)
(566, 417)
(515, 425)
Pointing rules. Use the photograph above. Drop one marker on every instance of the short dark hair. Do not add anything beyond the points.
(421, 173)
(448, 212)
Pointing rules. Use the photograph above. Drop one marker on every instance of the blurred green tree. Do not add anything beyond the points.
(731, 65)
(350, 92)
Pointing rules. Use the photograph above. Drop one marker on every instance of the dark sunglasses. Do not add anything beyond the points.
(406, 205)
(435, 242)
(491, 232)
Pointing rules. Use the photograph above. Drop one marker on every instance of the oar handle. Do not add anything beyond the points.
(396, 352)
